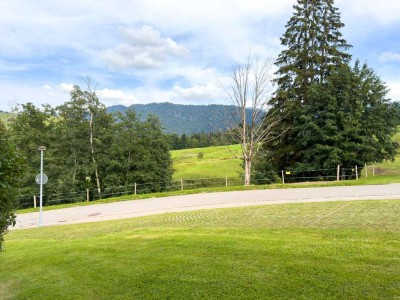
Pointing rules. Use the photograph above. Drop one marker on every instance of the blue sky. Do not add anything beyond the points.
(179, 51)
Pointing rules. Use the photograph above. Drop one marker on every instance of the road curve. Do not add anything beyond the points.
(136, 208)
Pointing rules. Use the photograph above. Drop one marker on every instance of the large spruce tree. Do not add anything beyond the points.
(334, 114)
(314, 47)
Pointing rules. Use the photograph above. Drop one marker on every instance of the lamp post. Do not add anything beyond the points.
(41, 149)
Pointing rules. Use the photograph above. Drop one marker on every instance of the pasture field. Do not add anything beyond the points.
(333, 250)
(217, 161)
(4, 117)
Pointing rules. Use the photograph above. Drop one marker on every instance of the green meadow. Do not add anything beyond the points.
(334, 250)
(217, 161)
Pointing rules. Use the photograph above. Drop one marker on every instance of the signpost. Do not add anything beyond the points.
(41, 179)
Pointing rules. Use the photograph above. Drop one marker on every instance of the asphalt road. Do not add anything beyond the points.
(136, 208)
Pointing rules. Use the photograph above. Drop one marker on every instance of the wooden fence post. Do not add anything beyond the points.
(135, 188)
(34, 201)
(226, 180)
(181, 184)
(366, 171)
(87, 195)
(356, 173)
(283, 177)
(338, 173)
(373, 170)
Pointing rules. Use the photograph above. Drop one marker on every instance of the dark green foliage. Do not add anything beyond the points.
(396, 106)
(140, 152)
(10, 173)
(30, 129)
(314, 48)
(334, 114)
(199, 140)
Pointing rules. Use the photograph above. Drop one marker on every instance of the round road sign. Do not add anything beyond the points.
(45, 179)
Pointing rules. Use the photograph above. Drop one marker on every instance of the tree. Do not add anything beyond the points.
(314, 48)
(139, 152)
(348, 121)
(251, 90)
(86, 124)
(10, 175)
(32, 127)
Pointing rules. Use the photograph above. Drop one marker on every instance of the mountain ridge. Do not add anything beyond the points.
(183, 119)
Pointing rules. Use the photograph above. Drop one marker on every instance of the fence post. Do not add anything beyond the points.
(338, 173)
(87, 195)
(283, 177)
(135, 188)
(34, 201)
(181, 184)
(366, 170)
(226, 180)
(356, 173)
(379, 170)
(373, 170)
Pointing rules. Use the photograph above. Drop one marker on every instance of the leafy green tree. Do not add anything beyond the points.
(32, 127)
(154, 163)
(10, 175)
(85, 132)
(140, 152)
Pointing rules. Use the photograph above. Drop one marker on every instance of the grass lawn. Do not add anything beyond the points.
(333, 250)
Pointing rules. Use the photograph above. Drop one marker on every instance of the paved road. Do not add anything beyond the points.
(129, 209)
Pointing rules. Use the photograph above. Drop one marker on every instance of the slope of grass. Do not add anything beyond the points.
(216, 162)
(4, 117)
(336, 250)
(220, 162)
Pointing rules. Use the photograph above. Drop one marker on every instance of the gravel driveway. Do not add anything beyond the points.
(136, 208)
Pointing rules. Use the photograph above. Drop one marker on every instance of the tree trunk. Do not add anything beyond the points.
(93, 157)
(247, 172)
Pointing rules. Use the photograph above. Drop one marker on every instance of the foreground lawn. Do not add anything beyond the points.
(335, 250)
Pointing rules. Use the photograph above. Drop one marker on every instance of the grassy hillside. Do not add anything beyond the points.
(216, 162)
(4, 117)
(220, 162)
(336, 250)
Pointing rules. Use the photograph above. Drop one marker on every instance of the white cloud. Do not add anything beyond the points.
(144, 49)
(389, 57)
(66, 87)
(384, 12)
(111, 96)
(200, 92)
(394, 92)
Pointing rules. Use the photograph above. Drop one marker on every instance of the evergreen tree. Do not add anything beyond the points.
(314, 48)
(348, 121)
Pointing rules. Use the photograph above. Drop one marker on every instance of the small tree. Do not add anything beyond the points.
(10, 173)
(250, 125)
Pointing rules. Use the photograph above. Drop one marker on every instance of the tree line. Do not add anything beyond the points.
(88, 148)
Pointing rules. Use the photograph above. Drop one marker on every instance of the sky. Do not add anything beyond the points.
(179, 51)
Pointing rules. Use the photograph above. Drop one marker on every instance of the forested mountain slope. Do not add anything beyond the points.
(176, 118)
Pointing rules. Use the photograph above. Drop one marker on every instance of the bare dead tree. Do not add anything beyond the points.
(250, 125)
(92, 106)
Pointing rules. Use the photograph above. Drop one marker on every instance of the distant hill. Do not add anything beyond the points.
(177, 118)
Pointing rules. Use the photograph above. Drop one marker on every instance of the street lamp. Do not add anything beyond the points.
(41, 149)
